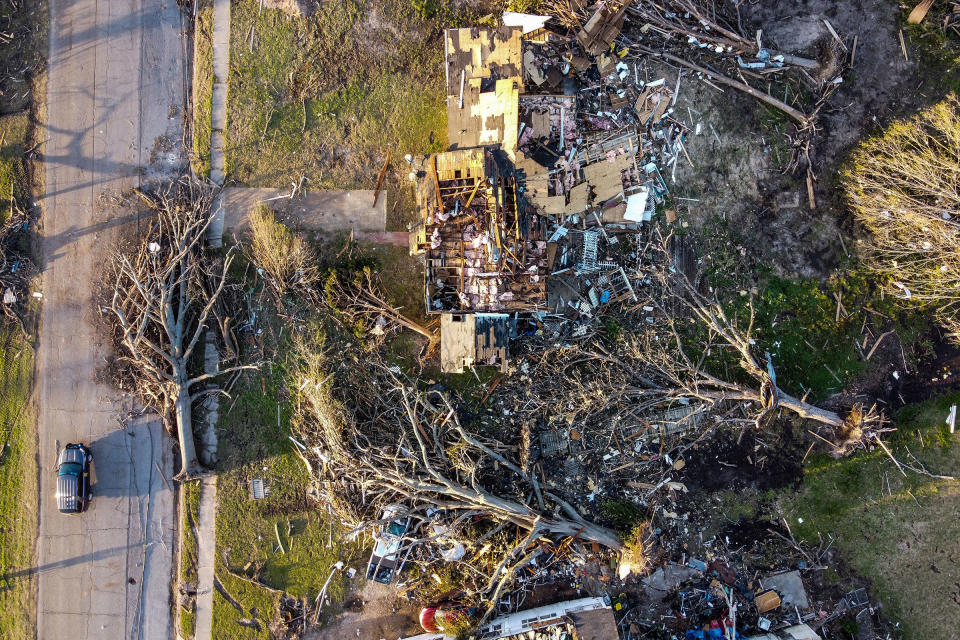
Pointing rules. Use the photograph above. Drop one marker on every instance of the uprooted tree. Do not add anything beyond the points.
(904, 186)
(663, 361)
(159, 294)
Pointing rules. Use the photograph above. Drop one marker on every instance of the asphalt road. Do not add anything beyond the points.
(115, 99)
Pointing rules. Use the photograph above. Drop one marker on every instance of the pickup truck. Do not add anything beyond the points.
(73, 478)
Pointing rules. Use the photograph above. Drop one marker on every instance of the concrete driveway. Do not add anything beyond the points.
(114, 120)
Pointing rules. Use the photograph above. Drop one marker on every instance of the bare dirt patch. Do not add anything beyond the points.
(374, 611)
(741, 152)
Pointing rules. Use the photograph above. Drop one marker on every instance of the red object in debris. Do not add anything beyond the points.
(428, 619)
(435, 619)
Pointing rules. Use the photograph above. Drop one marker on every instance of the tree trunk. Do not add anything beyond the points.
(189, 465)
(809, 411)
(785, 400)
(584, 531)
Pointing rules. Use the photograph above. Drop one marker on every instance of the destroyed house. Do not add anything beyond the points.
(483, 253)
(539, 178)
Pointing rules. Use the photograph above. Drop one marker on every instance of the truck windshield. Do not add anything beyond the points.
(70, 469)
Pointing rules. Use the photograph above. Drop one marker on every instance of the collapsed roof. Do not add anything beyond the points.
(554, 151)
(483, 251)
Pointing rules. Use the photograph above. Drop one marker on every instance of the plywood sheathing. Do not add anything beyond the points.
(540, 124)
(596, 624)
(579, 196)
(652, 104)
(458, 341)
(486, 118)
(535, 180)
(484, 79)
(483, 53)
(614, 214)
(606, 176)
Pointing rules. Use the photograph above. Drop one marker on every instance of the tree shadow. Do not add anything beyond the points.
(8, 580)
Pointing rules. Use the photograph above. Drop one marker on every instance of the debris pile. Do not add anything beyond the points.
(562, 146)
(699, 600)
(16, 267)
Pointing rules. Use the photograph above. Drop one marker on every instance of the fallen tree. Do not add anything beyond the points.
(666, 358)
(160, 292)
(375, 438)
(360, 298)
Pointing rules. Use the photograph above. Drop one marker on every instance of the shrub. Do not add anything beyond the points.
(904, 187)
(287, 261)
(637, 556)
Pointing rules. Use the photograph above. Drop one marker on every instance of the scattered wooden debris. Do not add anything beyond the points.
(920, 11)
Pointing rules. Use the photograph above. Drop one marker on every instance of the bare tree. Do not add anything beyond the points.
(16, 267)
(903, 187)
(663, 361)
(374, 438)
(160, 293)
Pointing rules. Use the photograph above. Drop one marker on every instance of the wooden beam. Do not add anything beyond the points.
(470, 199)
(920, 12)
(799, 116)
(380, 178)
(436, 179)
(516, 212)
(463, 264)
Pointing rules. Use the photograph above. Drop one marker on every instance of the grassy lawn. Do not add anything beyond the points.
(189, 552)
(14, 133)
(18, 486)
(328, 96)
(815, 349)
(254, 444)
(899, 532)
(23, 49)
(202, 87)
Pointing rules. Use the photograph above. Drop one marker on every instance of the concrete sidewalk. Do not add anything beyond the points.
(206, 542)
(221, 72)
(206, 522)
